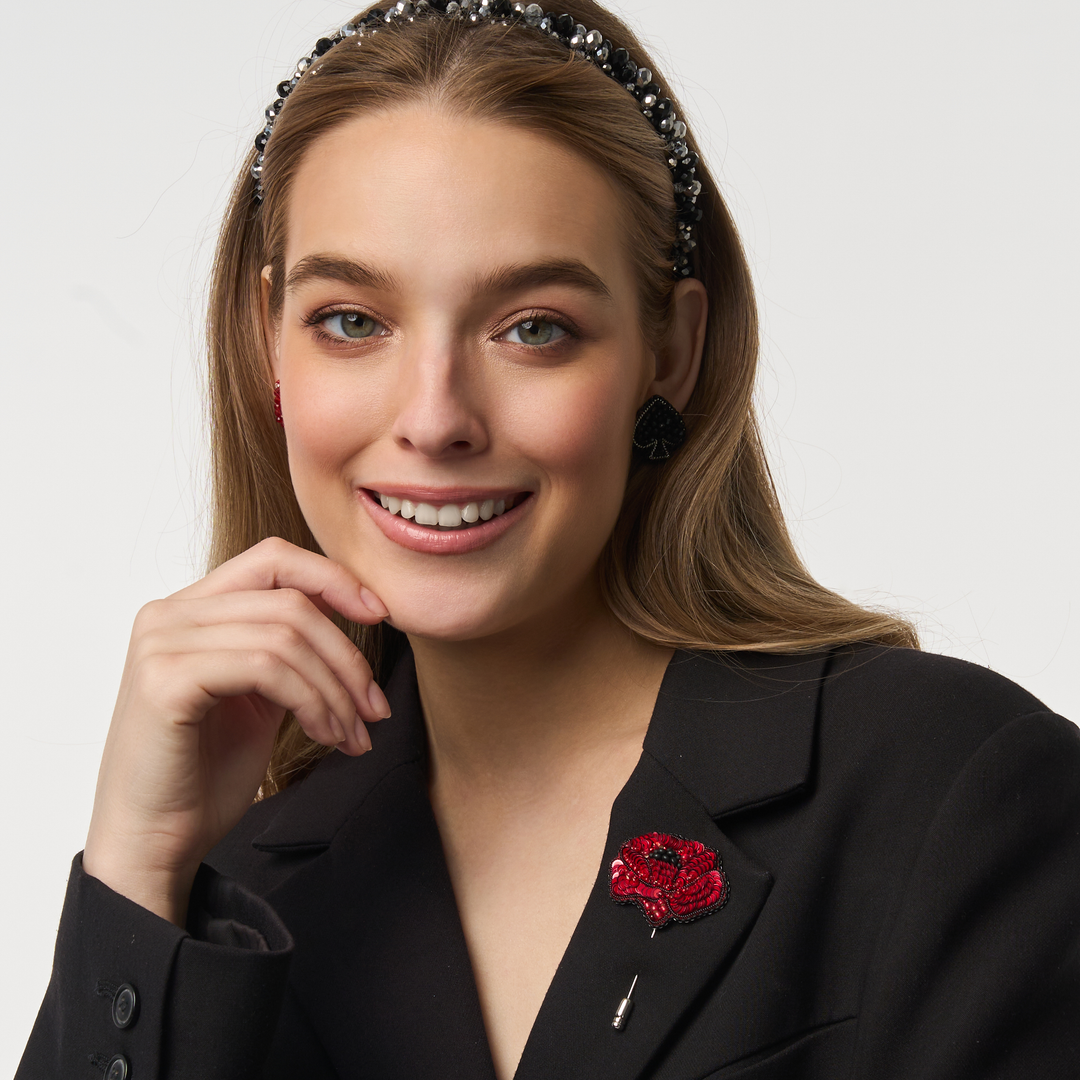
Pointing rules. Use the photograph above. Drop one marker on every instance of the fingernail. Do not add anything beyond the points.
(337, 729)
(373, 603)
(377, 700)
(362, 736)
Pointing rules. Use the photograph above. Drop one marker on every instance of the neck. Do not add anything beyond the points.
(519, 705)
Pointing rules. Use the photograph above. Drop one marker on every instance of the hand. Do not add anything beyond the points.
(210, 673)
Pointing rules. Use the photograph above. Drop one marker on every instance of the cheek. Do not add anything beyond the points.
(580, 433)
(327, 422)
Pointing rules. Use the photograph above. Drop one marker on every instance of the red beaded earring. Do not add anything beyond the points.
(277, 403)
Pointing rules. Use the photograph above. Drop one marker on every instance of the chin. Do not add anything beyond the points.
(454, 622)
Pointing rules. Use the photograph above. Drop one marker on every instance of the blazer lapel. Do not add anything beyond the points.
(726, 735)
(381, 968)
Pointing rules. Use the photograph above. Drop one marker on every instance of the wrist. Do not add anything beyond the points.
(165, 892)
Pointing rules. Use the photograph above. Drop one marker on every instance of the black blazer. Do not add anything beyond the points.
(901, 838)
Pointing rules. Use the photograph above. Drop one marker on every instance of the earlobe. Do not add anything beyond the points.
(679, 364)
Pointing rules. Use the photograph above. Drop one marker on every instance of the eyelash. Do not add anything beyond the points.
(315, 320)
(565, 325)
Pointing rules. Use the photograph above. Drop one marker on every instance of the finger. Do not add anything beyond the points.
(276, 564)
(228, 672)
(284, 607)
(330, 717)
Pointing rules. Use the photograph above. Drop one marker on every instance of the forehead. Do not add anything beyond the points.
(435, 200)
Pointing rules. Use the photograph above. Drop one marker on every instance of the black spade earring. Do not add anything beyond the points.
(659, 430)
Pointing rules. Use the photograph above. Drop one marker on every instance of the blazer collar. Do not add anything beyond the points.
(735, 729)
(315, 810)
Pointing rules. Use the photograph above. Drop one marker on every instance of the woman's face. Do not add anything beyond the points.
(459, 334)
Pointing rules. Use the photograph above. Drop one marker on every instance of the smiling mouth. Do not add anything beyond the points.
(449, 517)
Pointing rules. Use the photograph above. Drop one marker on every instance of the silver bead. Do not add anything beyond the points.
(348, 30)
(666, 124)
(679, 130)
(648, 101)
(257, 169)
(519, 8)
(547, 24)
(534, 13)
(453, 9)
(302, 65)
(679, 149)
(593, 40)
(644, 77)
(405, 9)
(694, 188)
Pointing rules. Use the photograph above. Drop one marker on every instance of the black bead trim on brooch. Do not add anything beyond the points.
(588, 44)
(659, 430)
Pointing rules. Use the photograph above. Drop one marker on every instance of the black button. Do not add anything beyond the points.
(118, 1068)
(124, 1006)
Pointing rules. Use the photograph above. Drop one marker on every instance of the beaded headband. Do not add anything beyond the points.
(589, 44)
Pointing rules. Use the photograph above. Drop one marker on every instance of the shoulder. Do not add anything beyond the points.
(927, 718)
(921, 692)
(909, 679)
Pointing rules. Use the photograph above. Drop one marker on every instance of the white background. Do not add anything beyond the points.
(905, 178)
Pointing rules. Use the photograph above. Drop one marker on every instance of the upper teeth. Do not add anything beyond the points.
(451, 515)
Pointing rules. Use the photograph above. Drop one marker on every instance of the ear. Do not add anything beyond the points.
(269, 329)
(678, 365)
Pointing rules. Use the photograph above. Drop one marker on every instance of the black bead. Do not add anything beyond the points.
(501, 8)
(650, 88)
(690, 216)
(659, 430)
(374, 16)
(284, 89)
(565, 25)
(619, 59)
(261, 140)
(439, 5)
(663, 106)
(323, 45)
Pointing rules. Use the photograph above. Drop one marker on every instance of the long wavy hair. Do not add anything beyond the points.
(700, 557)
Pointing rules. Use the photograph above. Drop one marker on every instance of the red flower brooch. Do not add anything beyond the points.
(669, 878)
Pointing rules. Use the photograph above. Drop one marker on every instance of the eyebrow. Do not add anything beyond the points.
(338, 268)
(504, 279)
(548, 272)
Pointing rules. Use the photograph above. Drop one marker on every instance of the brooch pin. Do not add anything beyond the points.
(670, 878)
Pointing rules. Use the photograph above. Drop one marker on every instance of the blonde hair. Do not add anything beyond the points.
(700, 557)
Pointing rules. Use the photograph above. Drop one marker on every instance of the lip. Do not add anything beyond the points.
(432, 541)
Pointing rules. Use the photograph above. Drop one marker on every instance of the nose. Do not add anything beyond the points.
(439, 410)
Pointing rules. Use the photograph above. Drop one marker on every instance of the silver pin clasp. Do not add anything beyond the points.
(623, 1011)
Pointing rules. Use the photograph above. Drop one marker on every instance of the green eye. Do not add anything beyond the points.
(352, 324)
(535, 332)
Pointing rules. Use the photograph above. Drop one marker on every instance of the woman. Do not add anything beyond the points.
(474, 265)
